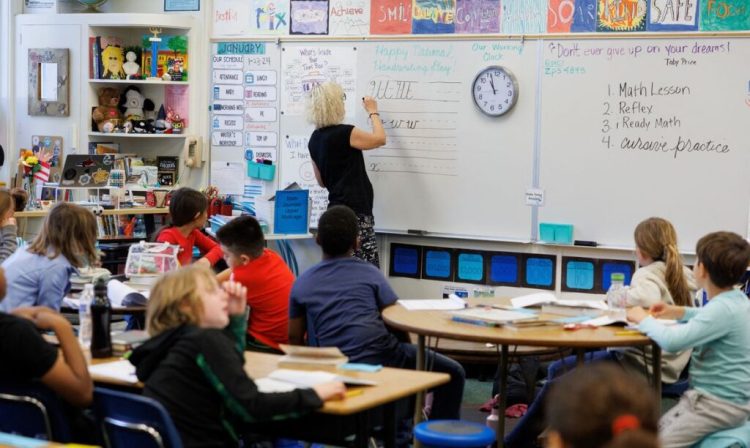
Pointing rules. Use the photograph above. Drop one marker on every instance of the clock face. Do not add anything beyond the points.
(495, 91)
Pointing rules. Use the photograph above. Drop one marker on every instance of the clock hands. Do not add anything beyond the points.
(492, 84)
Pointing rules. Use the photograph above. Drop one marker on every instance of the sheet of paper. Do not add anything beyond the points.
(595, 304)
(228, 177)
(270, 385)
(309, 378)
(121, 370)
(493, 315)
(452, 303)
(48, 90)
(533, 299)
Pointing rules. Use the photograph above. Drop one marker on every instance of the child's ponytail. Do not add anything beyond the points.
(657, 238)
(675, 276)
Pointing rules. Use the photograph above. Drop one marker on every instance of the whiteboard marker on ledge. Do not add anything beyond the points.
(416, 232)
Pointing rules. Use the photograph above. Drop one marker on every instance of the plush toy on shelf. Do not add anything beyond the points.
(107, 115)
(134, 105)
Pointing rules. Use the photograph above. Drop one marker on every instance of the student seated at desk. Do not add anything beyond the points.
(719, 333)
(27, 356)
(194, 363)
(188, 211)
(267, 278)
(339, 301)
(40, 273)
(601, 406)
(662, 278)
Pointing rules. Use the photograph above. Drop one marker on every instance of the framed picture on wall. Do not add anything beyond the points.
(49, 82)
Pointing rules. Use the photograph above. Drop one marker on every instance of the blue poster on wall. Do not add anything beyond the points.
(182, 5)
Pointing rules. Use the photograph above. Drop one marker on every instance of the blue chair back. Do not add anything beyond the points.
(129, 420)
(33, 410)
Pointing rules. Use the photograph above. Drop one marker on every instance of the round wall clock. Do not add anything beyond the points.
(495, 91)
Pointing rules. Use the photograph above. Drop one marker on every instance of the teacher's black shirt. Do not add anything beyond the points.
(342, 168)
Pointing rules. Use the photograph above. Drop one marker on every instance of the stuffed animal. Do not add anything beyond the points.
(107, 115)
(133, 104)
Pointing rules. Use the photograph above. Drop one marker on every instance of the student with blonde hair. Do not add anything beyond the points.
(194, 362)
(8, 241)
(40, 273)
(336, 150)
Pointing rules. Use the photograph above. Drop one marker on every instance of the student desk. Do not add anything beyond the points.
(336, 419)
(439, 324)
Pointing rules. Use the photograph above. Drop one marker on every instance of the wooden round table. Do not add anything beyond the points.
(439, 324)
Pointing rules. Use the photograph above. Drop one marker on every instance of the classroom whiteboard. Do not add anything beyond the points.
(640, 128)
(598, 136)
(446, 168)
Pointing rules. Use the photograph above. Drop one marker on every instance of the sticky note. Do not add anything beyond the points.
(579, 275)
(504, 269)
(405, 260)
(470, 267)
(437, 263)
(540, 271)
(612, 267)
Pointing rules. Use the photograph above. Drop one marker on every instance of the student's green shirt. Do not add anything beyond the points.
(720, 335)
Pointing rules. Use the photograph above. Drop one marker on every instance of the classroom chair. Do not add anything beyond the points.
(453, 433)
(33, 410)
(129, 420)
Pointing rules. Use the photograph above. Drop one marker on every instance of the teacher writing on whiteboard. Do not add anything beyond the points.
(336, 151)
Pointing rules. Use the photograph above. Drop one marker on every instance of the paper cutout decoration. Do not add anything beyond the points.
(405, 261)
(540, 271)
(438, 263)
(571, 16)
(523, 16)
(621, 15)
(504, 269)
(672, 15)
(725, 15)
(470, 267)
(390, 16)
(433, 17)
(309, 17)
(578, 275)
(477, 16)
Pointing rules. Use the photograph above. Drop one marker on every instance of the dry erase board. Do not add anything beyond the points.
(446, 168)
(639, 128)
(611, 130)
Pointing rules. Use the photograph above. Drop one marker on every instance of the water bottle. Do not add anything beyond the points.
(101, 310)
(139, 231)
(617, 296)
(84, 315)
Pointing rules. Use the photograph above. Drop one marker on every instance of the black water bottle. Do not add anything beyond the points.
(101, 310)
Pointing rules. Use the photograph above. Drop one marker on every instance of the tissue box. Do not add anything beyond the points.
(556, 233)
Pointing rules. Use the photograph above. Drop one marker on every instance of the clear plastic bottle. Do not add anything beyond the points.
(139, 230)
(84, 315)
(617, 296)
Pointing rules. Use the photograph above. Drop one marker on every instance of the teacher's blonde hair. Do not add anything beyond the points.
(175, 299)
(325, 105)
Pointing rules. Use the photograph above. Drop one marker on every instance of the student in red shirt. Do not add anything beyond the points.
(267, 278)
(188, 212)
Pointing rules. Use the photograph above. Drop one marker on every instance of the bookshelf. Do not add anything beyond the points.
(74, 31)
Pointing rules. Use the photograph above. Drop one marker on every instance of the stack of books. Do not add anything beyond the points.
(126, 341)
